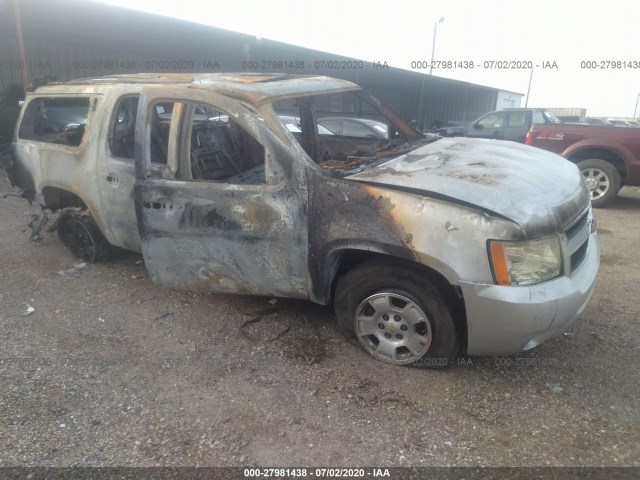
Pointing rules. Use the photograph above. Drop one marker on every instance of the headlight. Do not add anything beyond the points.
(525, 263)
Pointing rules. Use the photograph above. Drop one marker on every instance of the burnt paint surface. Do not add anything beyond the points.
(224, 240)
(225, 237)
(539, 191)
(343, 217)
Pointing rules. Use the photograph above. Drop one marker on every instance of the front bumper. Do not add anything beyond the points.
(506, 320)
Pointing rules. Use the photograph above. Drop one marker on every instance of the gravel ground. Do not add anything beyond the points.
(112, 370)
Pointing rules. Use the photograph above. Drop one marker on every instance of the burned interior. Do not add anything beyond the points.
(344, 132)
(211, 145)
(58, 120)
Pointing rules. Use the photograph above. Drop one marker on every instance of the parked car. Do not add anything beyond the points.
(355, 127)
(598, 121)
(293, 125)
(622, 123)
(608, 157)
(427, 247)
(454, 129)
(510, 124)
(611, 122)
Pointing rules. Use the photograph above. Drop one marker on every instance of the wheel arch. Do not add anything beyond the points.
(345, 259)
(56, 198)
(600, 153)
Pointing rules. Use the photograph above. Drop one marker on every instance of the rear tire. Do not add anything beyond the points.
(397, 315)
(80, 234)
(602, 179)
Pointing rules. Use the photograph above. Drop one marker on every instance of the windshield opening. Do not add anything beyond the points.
(344, 132)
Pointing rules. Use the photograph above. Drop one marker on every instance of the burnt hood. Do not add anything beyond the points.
(538, 190)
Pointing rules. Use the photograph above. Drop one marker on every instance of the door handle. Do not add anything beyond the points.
(159, 204)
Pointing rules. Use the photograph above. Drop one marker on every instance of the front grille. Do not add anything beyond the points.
(578, 240)
(578, 225)
(579, 255)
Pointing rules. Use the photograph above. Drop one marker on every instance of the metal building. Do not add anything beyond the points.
(68, 40)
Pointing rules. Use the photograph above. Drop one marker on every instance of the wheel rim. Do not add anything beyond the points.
(79, 240)
(597, 182)
(393, 328)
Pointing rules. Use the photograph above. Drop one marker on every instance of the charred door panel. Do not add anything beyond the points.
(116, 171)
(223, 234)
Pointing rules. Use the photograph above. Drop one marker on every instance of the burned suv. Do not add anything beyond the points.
(427, 246)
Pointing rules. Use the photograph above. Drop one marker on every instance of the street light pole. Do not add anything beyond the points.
(433, 46)
(529, 88)
(636, 109)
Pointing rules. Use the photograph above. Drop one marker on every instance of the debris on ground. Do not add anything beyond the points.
(164, 315)
(36, 225)
(556, 389)
(74, 271)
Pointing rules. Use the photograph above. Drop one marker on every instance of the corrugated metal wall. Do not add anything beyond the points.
(78, 43)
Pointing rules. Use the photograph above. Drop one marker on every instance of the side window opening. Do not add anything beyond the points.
(122, 142)
(495, 120)
(536, 117)
(211, 145)
(59, 120)
(516, 119)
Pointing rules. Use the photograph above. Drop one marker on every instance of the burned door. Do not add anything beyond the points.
(116, 174)
(228, 215)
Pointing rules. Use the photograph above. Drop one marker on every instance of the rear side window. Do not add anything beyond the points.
(516, 119)
(123, 133)
(536, 117)
(59, 120)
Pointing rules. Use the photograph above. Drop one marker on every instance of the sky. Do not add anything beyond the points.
(539, 33)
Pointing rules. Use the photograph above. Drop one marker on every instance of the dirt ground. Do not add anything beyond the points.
(112, 370)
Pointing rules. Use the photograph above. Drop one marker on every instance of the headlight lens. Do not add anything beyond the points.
(525, 263)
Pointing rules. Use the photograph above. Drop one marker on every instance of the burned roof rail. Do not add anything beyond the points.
(40, 81)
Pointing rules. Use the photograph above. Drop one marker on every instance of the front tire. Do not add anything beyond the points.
(602, 179)
(397, 315)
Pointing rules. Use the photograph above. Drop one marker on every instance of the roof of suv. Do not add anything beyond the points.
(255, 87)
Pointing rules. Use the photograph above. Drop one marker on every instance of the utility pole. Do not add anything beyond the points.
(528, 89)
(433, 46)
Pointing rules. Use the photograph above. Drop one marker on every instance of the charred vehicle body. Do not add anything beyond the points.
(427, 246)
